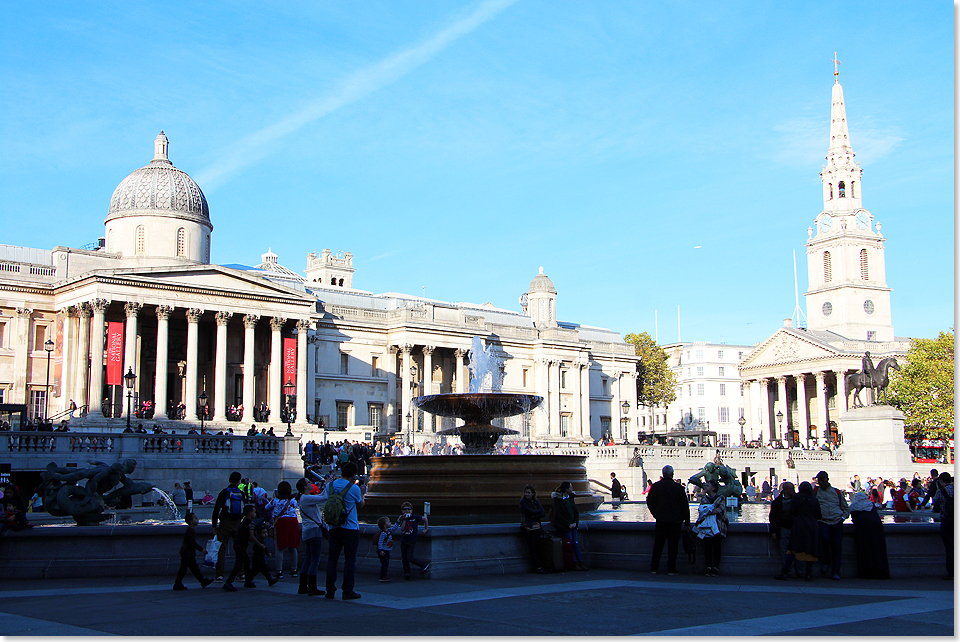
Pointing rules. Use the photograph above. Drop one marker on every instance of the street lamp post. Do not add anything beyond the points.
(409, 427)
(625, 406)
(742, 422)
(48, 346)
(780, 422)
(288, 389)
(203, 408)
(128, 380)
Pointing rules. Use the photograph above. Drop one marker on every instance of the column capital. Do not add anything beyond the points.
(277, 323)
(821, 376)
(428, 350)
(194, 314)
(782, 380)
(303, 325)
(460, 353)
(85, 310)
(406, 349)
(132, 308)
(24, 313)
(100, 305)
(69, 311)
(164, 312)
(764, 382)
(223, 317)
(250, 321)
(542, 361)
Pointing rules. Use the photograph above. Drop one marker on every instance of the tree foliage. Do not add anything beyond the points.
(656, 383)
(923, 388)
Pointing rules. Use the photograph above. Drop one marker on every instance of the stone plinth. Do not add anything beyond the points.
(873, 442)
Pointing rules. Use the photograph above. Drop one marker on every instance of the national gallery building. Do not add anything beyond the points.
(147, 302)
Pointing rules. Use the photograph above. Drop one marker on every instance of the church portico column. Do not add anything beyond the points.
(220, 368)
(276, 366)
(783, 407)
(543, 390)
(160, 385)
(843, 395)
(303, 327)
(461, 381)
(96, 353)
(193, 321)
(803, 420)
(406, 408)
(132, 310)
(748, 411)
(249, 332)
(83, 356)
(822, 403)
(765, 415)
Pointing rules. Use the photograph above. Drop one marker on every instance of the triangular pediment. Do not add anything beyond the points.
(788, 346)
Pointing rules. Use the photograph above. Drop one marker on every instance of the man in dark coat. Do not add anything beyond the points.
(667, 502)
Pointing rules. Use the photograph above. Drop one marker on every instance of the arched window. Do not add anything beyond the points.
(830, 191)
(333, 280)
(141, 240)
(341, 283)
(181, 242)
(842, 189)
(110, 247)
(827, 267)
(206, 248)
(864, 265)
(853, 189)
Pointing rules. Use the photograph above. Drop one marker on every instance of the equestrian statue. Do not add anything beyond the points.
(876, 379)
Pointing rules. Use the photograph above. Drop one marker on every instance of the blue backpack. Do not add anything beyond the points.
(234, 503)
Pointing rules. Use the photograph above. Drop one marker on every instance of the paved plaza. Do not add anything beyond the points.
(598, 602)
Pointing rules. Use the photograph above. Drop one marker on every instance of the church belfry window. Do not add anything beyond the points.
(841, 189)
(141, 240)
(853, 191)
(830, 191)
(827, 267)
(181, 242)
(864, 265)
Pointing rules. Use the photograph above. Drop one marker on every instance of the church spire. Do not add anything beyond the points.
(841, 173)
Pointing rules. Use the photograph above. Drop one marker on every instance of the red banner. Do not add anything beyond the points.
(114, 353)
(289, 363)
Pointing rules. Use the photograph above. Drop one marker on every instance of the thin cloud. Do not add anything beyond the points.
(358, 85)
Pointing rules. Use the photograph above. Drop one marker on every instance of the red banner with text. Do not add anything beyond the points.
(114, 353)
(289, 363)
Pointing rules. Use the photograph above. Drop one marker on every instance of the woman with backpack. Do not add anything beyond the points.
(283, 515)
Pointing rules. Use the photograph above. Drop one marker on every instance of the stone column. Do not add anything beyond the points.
(163, 340)
(67, 363)
(132, 308)
(249, 331)
(428, 385)
(276, 366)
(405, 405)
(391, 409)
(83, 356)
(766, 417)
(843, 395)
(555, 396)
(21, 356)
(193, 321)
(615, 411)
(543, 390)
(782, 406)
(303, 326)
(585, 428)
(461, 380)
(575, 371)
(748, 411)
(802, 418)
(220, 368)
(822, 399)
(96, 354)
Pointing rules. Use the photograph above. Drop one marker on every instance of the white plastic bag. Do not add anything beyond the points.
(213, 547)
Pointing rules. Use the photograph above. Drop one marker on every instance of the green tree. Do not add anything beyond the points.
(923, 388)
(656, 382)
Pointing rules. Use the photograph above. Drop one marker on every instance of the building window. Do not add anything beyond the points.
(741, 394)
(374, 366)
(871, 335)
(853, 190)
(864, 265)
(827, 309)
(344, 363)
(525, 425)
(699, 371)
(689, 390)
(564, 425)
(841, 189)
(721, 371)
(206, 248)
(724, 415)
(526, 373)
(643, 422)
(181, 242)
(830, 191)
(700, 389)
(604, 426)
(39, 336)
(604, 382)
(375, 414)
(343, 414)
(827, 267)
(110, 247)
(719, 354)
(563, 378)
(724, 440)
(699, 354)
(141, 239)
(723, 390)
(702, 415)
(869, 307)
(37, 399)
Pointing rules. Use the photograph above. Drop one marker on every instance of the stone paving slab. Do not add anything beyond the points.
(598, 602)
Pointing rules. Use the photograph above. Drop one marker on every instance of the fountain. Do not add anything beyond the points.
(169, 503)
(477, 483)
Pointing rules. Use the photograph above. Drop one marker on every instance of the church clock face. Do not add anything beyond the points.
(863, 221)
(868, 306)
(827, 309)
(825, 223)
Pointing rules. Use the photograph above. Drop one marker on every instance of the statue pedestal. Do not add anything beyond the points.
(873, 443)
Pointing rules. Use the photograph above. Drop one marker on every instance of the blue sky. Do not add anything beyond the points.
(458, 146)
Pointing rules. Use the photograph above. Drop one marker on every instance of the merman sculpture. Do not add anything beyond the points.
(106, 485)
(723, 475)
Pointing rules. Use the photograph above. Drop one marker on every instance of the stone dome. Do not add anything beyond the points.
(542, 283)
(159, 189)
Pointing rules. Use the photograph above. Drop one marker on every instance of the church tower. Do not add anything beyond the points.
(848, 292)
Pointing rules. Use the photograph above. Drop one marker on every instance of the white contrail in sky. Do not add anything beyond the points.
(359, 84)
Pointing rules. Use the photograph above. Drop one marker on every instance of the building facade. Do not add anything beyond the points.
(146, 300)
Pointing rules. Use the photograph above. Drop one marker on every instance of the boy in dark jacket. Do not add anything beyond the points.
(188, 555)
(240, 544)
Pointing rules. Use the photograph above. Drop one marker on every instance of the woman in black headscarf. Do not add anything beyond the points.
(871, 542)
(805, 510)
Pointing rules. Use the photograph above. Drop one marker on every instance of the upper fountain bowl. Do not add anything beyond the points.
(478, 408)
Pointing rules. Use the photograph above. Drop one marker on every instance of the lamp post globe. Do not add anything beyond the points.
(742, 422)
(203, 407)
(48, 346)
(780, 423)
(128, 380)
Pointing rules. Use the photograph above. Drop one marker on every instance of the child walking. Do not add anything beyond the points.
(259, 563)
(385, 545)
(188, 555)
(409, 529)
(241, 541)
